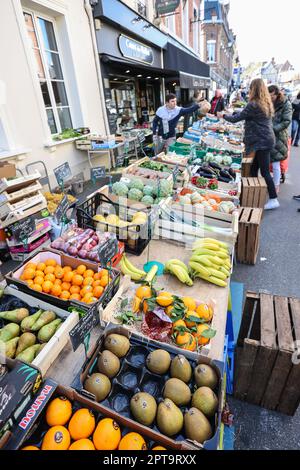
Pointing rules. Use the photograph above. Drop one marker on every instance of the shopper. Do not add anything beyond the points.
(259, 134)
(296, 121)
(166, 120)
(281, 121)
(235, 97)
(217, 103)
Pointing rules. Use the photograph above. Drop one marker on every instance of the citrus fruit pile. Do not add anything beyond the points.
(66, 283)
(79, 430)
(191, 320)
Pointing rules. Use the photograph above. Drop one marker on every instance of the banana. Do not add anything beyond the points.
(216, 260)
(213, 240)
(204, 251)
(224, 251)
(175, 262)
(213, 280)
(131, 267)
(224, 271)
(133, 275)
(199, 268)
(217, 274)
(208, 246)
(181, 274)
(202, 260)
(151, 274)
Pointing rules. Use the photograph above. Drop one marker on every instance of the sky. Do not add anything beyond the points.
(266, 29)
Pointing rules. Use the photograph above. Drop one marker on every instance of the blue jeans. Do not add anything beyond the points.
(295, 132)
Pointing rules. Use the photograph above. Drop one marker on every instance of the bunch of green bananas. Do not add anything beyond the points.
(127, 268)
(211, 261)
(180, 270)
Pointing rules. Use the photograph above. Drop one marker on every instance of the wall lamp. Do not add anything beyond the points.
(147, 26)
(137, 19)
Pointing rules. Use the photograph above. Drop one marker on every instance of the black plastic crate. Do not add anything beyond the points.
(135, 237)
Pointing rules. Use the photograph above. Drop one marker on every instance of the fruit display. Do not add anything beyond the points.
(81, 284)
(111, 222)
(210, 202)
(157, 388)
(25, 330)
(53, 200)
(204, 183)
(138, 191)
(128, 269)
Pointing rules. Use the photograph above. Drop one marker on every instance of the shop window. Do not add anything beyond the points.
(211, 51)
(41, 33)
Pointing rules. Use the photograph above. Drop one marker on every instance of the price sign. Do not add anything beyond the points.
(176, 173)
(62, 173)
(24, 229)
(98, 173)
(83, 328)
(62, 209)
(120, 160)
(107, 251)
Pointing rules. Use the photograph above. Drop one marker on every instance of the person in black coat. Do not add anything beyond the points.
(259, 135)
(296, 121)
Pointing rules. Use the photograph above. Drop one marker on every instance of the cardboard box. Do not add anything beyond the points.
(7, 170)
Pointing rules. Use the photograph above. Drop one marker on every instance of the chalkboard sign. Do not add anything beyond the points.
(176, 173)
(120, 160)
(62, 209)
(24, 229)
(62, 172)
(84, 327)
(107, 251)
(98, 173)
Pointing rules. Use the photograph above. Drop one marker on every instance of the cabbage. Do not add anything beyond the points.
(135, 194)
(166, 188)
(120, 189)
(148, 200)
(155, 191)
(136, 184)
(148, 191)
(227, 160)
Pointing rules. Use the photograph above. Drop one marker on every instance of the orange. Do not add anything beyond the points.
(38, 280)
(41, 267)
(50, 277)
(66, 286)
(30, 448)
(31, 266)
(75, 297)
(56, 290)
(190, 303)
(82, 424)
(50, 270)
(164, 299)
(97, 276)
(87, 298)
(59, 272)
(158, 448)
(89, 273)
(67, 269)
(107, 435)
(30, 283)
(51, 262)
(86, 290)
(37, 288)
(77, 280)
(178, 325)
(132, 441)
(88, 281)
(201, 339)
(96, 283)
(103, 272)
(205, 312)
(143, 292)
(81, 269)
(169, 310)
(186, 341)
(191, 323)
(56, 438)
(82, 444)
(98, 291)
(136, 304)
(92, 300)
(29, 274)
(75, 290)
(68, 276)
(58, 282)
(65, 295)
(47, 286)
(58, 412)
(104, 281)
(39, 273)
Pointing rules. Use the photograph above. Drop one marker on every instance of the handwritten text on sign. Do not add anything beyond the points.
(84, 327)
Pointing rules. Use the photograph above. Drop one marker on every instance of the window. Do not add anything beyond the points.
(170, 23)
(41, 34)
(211, 51)
(142, 8)
(185, 23)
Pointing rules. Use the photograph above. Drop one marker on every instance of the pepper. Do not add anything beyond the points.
(213, 184)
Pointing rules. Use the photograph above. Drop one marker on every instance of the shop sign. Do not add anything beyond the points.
(166, 6)
(135, 50)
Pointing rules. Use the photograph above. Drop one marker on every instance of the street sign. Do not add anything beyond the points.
(107, 251)
(164, 7)
(62, 173)
(24, 229)
(83, 328)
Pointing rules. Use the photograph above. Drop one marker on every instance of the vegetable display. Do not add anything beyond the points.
(138, 191)
(208, 201)
(53, 200)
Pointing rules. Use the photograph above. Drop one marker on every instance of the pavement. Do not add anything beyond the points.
(277, 272)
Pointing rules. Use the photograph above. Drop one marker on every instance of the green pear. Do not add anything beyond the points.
(47, 331)
(44, 319)
(26, 340)
(28, 322)
(9, 332)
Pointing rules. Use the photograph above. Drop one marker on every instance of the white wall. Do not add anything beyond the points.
(23, 105)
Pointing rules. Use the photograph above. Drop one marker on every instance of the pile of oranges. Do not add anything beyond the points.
(66, 283)
(78, 430)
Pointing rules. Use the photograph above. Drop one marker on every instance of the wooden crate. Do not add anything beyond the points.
(267, 369)
(246, 167)
(249, 234)
(254, 192)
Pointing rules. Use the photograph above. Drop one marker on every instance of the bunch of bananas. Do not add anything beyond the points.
(180, 270)
(129, 269)
(211, 261)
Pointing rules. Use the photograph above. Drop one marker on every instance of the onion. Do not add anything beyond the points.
(96, 238)
(72, 251)
(94, 243)
(83, 254)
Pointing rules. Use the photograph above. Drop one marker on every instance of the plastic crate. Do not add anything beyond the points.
(135, 237)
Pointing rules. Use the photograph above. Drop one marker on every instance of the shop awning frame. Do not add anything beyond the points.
(120, 62)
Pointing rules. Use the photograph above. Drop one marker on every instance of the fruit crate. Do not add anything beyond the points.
(32, 425)
(13, 278)
(267, 372)
(254, 192)
(23, 252)
(13, 299)
(249, 235)
(183, 176)
(134, 377)
(168, 159)
(135, 236)
(246, 167)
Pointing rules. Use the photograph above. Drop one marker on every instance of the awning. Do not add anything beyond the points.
(189, 67)
(123, 64)
(192, 81)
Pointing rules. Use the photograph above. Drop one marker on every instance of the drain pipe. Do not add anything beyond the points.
(89, 13)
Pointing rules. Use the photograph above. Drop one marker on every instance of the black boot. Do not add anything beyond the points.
(282, 180)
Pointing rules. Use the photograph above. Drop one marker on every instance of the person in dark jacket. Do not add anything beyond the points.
(296, 121)
(281, 123)
(217, 103)
(259, 135)
(166, 120)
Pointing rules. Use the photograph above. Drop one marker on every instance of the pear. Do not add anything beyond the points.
(9, 348)
(99, 385)
(143, 407)
(47, 331)
(108, 364)
(196, 425)
(158, 361)
(28, 322)
(26, 340)
(181, 368)
(15, 316)
(169, 418)
(9, 332)
(117, 344)
(177, 391)
(44, 319)
(205, 400)
(205, 376)
(29, 354)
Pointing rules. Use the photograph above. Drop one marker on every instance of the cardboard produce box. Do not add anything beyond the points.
(7, 170)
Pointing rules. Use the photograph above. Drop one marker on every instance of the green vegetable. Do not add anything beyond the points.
(148, 200)
(148, 191)
(67, 134)
(135, 194)
(120, 189)
(136, 184)
(166, 188)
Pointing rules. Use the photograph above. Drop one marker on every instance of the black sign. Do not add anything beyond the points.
(166, 6)
(62, 209)
(107, 251)
(120, 160)
(24, 229)
(98, 173)
(176, 173)
(84, 327)
(135, 50)
(63, 172)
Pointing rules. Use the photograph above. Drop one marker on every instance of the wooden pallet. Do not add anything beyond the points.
(249, 235)
(254, 192)
(267, 369)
